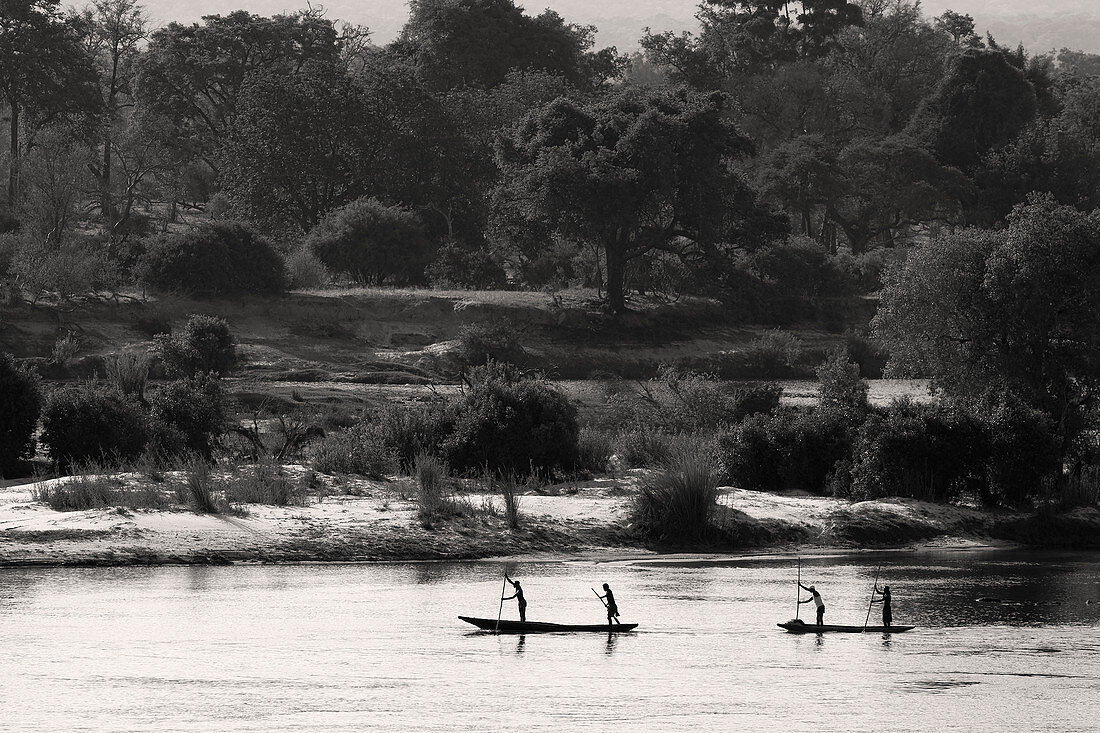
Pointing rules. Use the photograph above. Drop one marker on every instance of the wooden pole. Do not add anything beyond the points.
(503, 588)
(797, 588)
(600, 597)
(871, 602)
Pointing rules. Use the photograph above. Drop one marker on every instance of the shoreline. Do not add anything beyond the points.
(358, 520)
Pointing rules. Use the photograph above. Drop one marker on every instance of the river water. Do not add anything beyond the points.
(379, 647)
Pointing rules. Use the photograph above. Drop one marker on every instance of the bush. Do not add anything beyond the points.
(197, 408)
(594, 449)
(407, 432)
(431, 493)
(69, 270)
(372, 243)
(152, 322)
(357, 451)
(774, 354)
(510, 427)
(218, 259)
(263, 482)
(790, 450)
(841, 389)
(1024, 451)
(129, 370)
(206, 345)
(642, 446)
(463, 267)
(678, 502)
(305, 270)
(20, 404)
(868, 354)
(481, 343)
(929, 452)
(92, 421)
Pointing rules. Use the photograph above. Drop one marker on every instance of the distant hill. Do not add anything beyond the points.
(1051, 24)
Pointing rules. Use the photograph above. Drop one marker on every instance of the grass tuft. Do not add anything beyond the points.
(678, 503)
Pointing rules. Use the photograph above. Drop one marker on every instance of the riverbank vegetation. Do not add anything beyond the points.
(248, 258)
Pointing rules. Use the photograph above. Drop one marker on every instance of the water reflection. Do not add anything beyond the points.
(612, 639)
(521, 642)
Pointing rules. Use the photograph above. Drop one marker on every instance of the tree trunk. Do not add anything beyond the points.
(105, 202)
(616, 275)
(13, 161)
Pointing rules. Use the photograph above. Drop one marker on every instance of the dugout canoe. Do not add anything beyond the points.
(799, 627)
(533, 627)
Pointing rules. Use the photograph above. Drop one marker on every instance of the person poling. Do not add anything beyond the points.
(887, 612)
(518, 595)
(608, 599)
(816, 598)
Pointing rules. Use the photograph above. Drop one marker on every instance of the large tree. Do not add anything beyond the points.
(1014, 310)
(634, 172)
(45, 71)
(476, 43)
(192, 75)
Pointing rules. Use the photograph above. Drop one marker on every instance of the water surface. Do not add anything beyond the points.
(379, 647)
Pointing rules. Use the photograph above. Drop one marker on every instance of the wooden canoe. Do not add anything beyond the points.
(533, 627)
(799, 627)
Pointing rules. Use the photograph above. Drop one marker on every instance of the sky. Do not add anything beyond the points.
(1041, 25)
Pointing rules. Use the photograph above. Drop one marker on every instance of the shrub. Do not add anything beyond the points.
(511, 493)
(68, 270)
(594, 449)
(868, 354)
(129, 370)
(1024, 451)
(206, 345)
(201, 487)
(929, 452)
(790, 450)
(92, 487)
(774, 354)
(197, 408)
(65, 348)
(20, 404)
(642, 446)
(407, 432)
(431, 494)
(678, 502)
(217, 259)
(463, 267)
(841, 389)
(263, 482)
(357, 451)
(510, 427)
(152, 322)
(92, 421)
(372, 243)
(305, 270)
(481, 343)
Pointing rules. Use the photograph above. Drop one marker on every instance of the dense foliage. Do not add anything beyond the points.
(205, 346)
(20, 403)
(218, 259)
(93, 421)
(372, 243)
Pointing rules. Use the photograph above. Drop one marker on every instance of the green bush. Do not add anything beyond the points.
(93, 421)
(197, 408)
(510, 427)
(20, 404)
(930, 452)
(1024, 451)
(217, 259)
(841, 388)
(206, 345)
(407, 432)
(790, 450)
(774, 354)
(372, 243)
(305, 270)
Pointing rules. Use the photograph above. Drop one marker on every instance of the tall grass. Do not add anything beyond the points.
(356, 451)
(199, 481)
(93, 486)
(129, 370)
(678, 503)
(510, 492)
(595, 447)
(431, 492)
(264, 482)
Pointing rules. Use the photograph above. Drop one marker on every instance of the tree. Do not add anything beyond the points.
(983, 102)
(959, 27)
(476, 43)
(116, 29)
(634, 172)
(45, 71)
(1014, 311)
(193, 75)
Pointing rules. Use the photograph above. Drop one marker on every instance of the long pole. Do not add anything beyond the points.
(600, 597)
(797, 587)
(503, 588)
(871, 602)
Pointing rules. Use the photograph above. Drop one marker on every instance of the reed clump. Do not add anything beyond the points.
(678, 502)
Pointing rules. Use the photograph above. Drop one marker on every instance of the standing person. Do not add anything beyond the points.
(518, 595)
(612, 609)
(816, 598)
(887, 612)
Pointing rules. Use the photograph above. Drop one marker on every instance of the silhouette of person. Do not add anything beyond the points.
(816, 598)
(612, 609)
(518, 595)
(887, 612)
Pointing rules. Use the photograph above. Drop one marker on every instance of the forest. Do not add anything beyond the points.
(788, 163)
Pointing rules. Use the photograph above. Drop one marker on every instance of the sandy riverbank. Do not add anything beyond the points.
(355, 519)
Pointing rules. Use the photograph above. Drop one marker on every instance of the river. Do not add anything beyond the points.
(379, 647)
